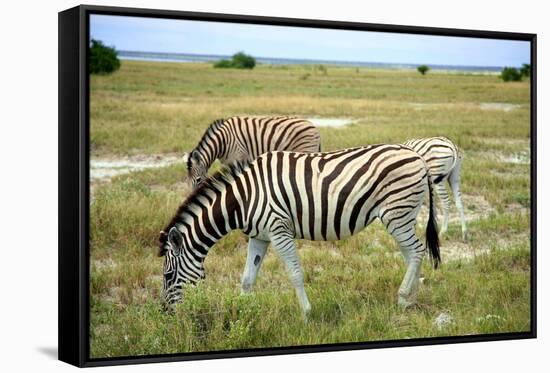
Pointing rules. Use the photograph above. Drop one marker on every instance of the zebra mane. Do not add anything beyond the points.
(216, 182)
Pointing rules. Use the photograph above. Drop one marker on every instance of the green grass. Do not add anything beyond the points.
(161, 108)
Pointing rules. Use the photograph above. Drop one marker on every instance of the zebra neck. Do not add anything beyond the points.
(211, 214)
(211, 147)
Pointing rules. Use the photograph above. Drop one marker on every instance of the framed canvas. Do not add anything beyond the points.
(236, 186)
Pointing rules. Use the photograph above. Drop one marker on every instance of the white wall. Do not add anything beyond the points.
(28, 196)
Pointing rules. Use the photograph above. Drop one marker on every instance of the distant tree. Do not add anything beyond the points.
(423, 69)
(103, 59)
(525, 70)
(510, 74)
(238, 61)
(243, 61)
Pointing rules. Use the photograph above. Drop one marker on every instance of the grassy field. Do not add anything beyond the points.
(160, 109)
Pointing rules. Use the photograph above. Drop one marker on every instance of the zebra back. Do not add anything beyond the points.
(331, 196)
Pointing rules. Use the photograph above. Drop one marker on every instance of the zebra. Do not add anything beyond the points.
(444, 160)
(315, 196)
(245, 138)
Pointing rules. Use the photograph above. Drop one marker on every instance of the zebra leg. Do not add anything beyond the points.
(409, 286)
(413, 251)
(446, 204)
(254, 259)
(454, 182)
(286, 248)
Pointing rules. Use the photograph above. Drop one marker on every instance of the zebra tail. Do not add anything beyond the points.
(432, 238)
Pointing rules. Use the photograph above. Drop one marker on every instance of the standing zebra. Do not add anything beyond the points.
(284, 195)
(444, 160)
(245, 138)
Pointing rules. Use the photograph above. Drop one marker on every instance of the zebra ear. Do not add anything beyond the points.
(176, 240)
(185, 157)
(163, 237)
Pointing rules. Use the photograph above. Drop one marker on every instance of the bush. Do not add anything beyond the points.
(322, 69)
(238, 61)
(423, 69)
(525, 70)
(510, 74)
(243, 61)
(223, 64)
(103, 59)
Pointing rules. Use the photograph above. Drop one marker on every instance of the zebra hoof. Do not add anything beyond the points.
(405, 303)
(306, 314)
(306, 311)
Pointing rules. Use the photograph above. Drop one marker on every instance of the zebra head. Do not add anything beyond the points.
(196, 169)
(179, 268)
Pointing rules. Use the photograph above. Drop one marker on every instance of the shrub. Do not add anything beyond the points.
(223, 64)
(423, 69)
(103, 59)
(525, 70)
(322, 69)
(243, 61)
(238, 61)
(510, 74)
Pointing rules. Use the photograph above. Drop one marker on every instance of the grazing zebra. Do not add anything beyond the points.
(444, 160)
(284, 195)
(245, 138)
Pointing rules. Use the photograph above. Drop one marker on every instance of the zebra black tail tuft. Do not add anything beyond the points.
(432, 238)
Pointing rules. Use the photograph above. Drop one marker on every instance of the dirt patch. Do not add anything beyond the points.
(106, 168)
(331, 122)
(523, 157)
(102, 170)
(524, 143)
(520, 157)
(422, 105)
(498, 106)
(476, 207)
(455, 250)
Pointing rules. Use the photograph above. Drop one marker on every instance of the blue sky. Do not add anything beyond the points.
(178, 36)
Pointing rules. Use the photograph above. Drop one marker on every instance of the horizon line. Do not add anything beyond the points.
(335, 62)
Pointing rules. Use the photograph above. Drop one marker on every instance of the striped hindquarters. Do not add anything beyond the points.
(440, 154)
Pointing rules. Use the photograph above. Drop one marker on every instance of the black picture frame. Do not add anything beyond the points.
(74, 178)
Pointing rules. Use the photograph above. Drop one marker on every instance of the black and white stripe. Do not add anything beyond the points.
(321, 196)
(245, 138)
(444, 160)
